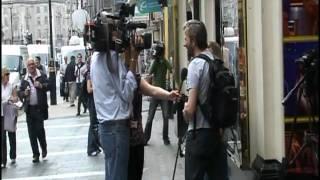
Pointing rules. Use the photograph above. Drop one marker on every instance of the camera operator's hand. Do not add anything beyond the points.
(131, 54)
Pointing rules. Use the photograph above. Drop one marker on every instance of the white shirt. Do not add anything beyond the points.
(63, 68)
(78, 72)
(226, 54)
(113, 92)
(6, 92)
(33, 90)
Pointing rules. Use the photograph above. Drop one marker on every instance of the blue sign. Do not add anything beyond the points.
(148, 6)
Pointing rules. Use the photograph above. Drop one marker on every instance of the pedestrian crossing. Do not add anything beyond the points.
(67, 153)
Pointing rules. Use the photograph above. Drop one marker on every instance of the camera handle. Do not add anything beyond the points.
(309, 141)
(290, 93)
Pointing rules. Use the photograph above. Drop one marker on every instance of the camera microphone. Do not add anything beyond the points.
(132, 25)
(183, 75)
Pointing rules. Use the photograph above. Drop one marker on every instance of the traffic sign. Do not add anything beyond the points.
(148, 6)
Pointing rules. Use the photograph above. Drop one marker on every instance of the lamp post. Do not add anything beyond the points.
(11, 6)
(51, 68)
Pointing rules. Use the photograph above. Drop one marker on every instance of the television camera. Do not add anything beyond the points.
(115, 31)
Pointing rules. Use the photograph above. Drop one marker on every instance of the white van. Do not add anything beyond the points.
(41, 50)
(73, 51)
(14, 58)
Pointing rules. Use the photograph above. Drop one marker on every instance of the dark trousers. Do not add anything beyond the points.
(13, 144)
(3, 143)
(152, 110)
(36, 130)
(204, 148)
(136, 159)
(82, 99)
(93, 136)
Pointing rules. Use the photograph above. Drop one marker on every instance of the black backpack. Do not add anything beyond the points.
(221, 105)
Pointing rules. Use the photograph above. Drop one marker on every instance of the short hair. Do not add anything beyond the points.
(196, 30)
(73, 58)
(38, 58)
(215, 48)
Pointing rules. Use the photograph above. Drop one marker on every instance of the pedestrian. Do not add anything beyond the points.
(203, 143)
(33, 90)
(215, 49)
(94, 145)
(80, 70)
(63, 91)
(70, 79)
(40, 66)
(10, 112)
(159, 70)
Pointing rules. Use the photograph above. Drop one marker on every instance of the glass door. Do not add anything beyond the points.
(234, 50)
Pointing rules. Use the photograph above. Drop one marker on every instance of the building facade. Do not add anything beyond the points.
(20, 17)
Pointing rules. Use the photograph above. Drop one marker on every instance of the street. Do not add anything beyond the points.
(67, 143)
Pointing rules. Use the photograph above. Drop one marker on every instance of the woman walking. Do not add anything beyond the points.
(10, 112)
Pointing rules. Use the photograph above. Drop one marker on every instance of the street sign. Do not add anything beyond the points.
(148, 6)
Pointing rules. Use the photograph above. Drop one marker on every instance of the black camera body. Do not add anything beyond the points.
(310, 65)
(114, 31)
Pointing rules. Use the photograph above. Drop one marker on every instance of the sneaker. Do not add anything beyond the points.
(78, 114)
(94, 153)
(166, 142)
(35, 160)
(13, 161)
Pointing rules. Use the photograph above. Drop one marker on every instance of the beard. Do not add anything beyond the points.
(190, 52)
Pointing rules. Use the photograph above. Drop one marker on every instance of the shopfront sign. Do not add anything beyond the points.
(148, 6)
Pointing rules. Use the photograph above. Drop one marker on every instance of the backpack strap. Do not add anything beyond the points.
(203, 107)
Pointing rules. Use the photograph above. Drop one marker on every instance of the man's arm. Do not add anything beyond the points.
(149, 90)
(190, 106)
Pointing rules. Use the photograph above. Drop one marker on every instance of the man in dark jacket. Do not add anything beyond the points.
(33, 90)
(40, 66)
(70, 78)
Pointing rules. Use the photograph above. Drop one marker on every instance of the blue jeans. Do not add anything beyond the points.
(114, 137)
(205, 156)
(93, 134)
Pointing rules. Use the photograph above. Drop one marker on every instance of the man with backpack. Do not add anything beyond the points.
(205, 153)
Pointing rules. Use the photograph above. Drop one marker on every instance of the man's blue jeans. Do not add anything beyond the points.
(114, 137)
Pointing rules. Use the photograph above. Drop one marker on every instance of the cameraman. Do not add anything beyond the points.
(113, 89)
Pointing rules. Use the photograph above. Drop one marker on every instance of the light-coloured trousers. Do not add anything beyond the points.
(72, 91)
